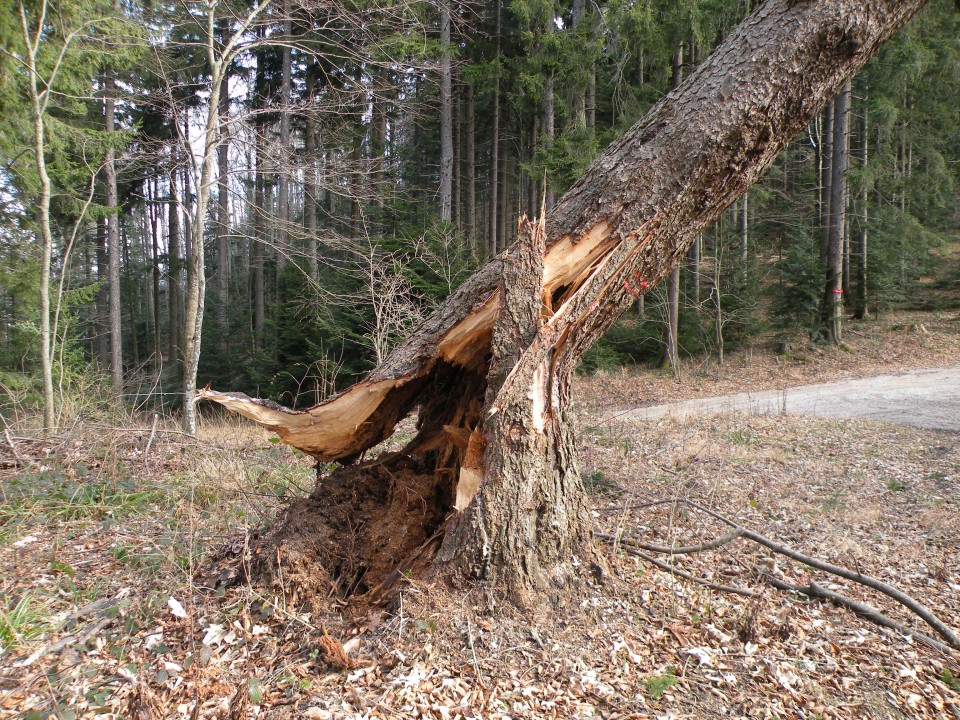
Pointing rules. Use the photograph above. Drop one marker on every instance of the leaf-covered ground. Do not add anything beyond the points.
(101, 547)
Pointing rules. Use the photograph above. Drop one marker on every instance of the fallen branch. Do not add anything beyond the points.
(626, 547)
(76, 638)
(918, 608)
(867, 612)
(683, 549)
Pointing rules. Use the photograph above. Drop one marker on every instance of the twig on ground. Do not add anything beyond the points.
(73, 639)
(868, 612)
(683, 549)
(921, 610)
(625, 546)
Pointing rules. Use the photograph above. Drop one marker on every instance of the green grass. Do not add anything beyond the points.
(599, 483)
(20, 622)
(657, 685)
(52, 496)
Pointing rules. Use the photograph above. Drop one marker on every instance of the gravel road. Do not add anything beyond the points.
(923, 398)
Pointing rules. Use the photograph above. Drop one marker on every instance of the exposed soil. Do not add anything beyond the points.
(352, 537)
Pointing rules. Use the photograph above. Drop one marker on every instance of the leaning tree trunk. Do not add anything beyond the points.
(489, 489)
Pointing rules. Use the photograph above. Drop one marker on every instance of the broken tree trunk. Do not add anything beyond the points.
(489, 488)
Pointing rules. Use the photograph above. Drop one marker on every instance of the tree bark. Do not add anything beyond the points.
(223, 216)
(490, 369)
(549, 129)
(672, 315)
(493, 211)
(103, 297)
(173, 266)
(155, 261)
(694, 257)
(744, 227)
(860, 299)
(832, 304)
(311, 180)
(259, 240)
(283, 172)
(471, 181)
(446, 116)
(113, 239)
(826, 178)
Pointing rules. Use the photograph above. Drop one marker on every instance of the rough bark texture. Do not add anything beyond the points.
(223, 217)
(860, 301)
(113, 239)
(832, 303)
(446, 116)
(499, 448)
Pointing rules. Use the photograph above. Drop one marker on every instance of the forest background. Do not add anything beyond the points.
(268, 197)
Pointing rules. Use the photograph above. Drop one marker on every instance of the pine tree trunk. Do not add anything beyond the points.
(223, 218)
(457, 155)
(155, 261)
(446, 116)
(826, 178)
(310, 179)
(103, 297)
(694, 257)
(672, 315)
(832, 304)
(283, 172)
(471, 155)
(174, 294)
(259, 240)
(493, 210)
(744, 227)
(549, 129)
(113, 240)
(493, 465)
(860, 299)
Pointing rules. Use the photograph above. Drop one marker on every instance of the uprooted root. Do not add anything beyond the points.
(359, 531)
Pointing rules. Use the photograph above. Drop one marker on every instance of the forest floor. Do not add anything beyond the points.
(105, 534)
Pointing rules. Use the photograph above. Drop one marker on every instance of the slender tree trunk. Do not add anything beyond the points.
(46, 241)
(471, 155)
(672, 315)
(860, 299)
(174, 296)
(717, 294)
(549, 128)
(259, 240)
(103, 297)
(283, 174)
(580, 94)
(155, 258)
(503, 179)
(493, 211)
(132, 308)
(832, 314)
(446, 115)
(490, 369)
(826, 178)
(113, 239)
(744, 228)
(457, 154)
(310, 178)
(196, 286)
(694, 256)
(223, 217)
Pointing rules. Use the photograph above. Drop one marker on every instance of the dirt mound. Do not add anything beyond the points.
(353, 537)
